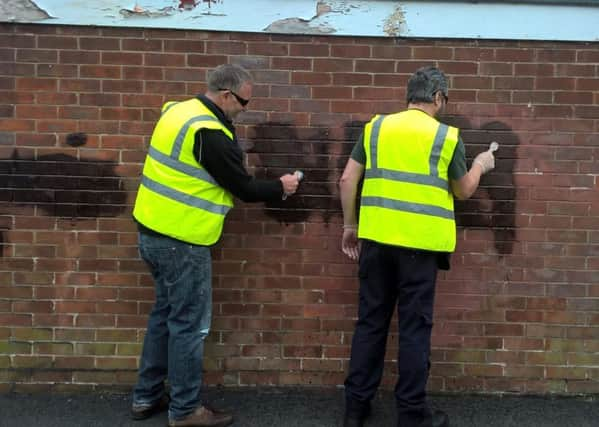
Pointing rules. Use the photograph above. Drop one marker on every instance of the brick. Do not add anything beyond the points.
(332, 93)
(391, 52)
(18, 40)
(33, 362)
(228, 47)
(15, 347)
(98, 99)
(163, 60)
(142, 45)
(128, 349)
(57, 70)
(515, 55)
(309, 50)
(36, 84)
(574, 98)
(436, 53)
(36, 112)
(37, 55)
(57, 42)
(32, 334)
(556, 55)
(514, 83)
(266, 48)
(95, 349)
(205, 60)
(310, 78)
(335, 65)
(99, 43)
(156, 73)
(164, 87)
(496, 68)
(351, 51)
(79, 57)
(15, 69)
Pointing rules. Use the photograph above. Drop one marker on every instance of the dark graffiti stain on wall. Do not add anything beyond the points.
(61, 185)
(279, 148)
(494, 206)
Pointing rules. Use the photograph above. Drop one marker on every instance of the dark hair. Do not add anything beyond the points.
(227, 76)
(424, 83)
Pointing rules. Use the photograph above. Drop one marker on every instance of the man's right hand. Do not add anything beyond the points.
(486, 161)
(290, 183)
(350, 245)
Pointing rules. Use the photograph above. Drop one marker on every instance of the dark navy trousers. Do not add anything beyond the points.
(393, 276)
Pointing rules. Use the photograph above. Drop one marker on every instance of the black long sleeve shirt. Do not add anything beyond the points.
(223, 160)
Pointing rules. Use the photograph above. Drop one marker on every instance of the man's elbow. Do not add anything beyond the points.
(463, 190)
(343, 182)
(460, 196)
(463, 195)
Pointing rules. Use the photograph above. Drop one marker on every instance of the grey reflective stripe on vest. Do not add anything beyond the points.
(184, 198)
(431, 179)
(374, 141)
(180, 166)
(437, 148)
(176, 152)
(411, 207)
(409, 177)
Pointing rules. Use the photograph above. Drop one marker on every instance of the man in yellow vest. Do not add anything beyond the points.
(413, 166)
(193, 169)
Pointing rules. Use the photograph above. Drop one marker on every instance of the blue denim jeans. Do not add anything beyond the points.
(179, 322)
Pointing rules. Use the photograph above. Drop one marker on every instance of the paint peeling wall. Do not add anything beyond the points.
(432, 19)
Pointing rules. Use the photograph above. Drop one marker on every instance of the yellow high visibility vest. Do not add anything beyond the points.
(406, 197)
(177, 197)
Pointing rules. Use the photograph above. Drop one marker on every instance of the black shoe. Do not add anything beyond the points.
(353, 422)
(141, 412)
(440, 419)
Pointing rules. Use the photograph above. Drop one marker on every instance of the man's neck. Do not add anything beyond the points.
(428, 108)
(212, 98)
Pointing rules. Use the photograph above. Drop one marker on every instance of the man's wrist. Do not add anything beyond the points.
(480, 165)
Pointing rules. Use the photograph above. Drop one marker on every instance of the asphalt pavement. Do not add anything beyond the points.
(297, 407)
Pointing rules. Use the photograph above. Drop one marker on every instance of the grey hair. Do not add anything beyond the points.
(228, 76)
(424, 83)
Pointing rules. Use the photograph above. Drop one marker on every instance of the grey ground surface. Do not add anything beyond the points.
(296, 407)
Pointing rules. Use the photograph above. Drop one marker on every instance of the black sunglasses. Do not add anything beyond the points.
(243, 102)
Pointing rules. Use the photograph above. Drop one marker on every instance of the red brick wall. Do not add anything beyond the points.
(518, 312)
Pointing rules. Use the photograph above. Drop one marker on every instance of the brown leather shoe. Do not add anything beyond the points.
(141, 412)
(203, 417)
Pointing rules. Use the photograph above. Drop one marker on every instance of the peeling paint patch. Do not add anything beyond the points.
(209, 12)
(17, 10)
(304, 26)
(138, 12)
(188, 4)
(297, 26)
(322, 8)
(395, 24)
